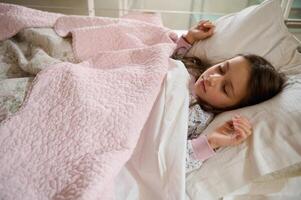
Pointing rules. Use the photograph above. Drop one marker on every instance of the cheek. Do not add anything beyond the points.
(217, 99)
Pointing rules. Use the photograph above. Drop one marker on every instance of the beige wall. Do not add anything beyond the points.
(170, 18)
(224, 6)
(107, 8)
(62, 6)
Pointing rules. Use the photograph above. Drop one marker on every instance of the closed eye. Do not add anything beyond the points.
(220, 69)
(224, 90)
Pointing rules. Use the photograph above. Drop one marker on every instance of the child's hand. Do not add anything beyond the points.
(201, 31)
(231, 133)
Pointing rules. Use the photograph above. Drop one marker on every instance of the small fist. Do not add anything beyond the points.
(201, 31)
(232, 132)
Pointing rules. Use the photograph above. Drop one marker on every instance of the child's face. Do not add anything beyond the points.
(225, 84)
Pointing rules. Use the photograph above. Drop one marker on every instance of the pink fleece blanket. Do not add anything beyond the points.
(80, 122)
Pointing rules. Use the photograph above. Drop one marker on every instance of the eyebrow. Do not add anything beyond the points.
(230, 83)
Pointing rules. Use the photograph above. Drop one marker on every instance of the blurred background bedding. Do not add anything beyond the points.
(22, 57)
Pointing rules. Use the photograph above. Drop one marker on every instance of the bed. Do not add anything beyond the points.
(61, 157)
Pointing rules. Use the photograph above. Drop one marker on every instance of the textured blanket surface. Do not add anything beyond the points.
(80, 122)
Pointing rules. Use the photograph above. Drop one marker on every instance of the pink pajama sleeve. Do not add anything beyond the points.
(201, 148)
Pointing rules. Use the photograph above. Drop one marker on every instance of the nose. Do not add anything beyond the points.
(213, 79)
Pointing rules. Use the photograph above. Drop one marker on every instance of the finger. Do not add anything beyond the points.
(209, 32)
(245, 123)
(241, 117)
(206, 28)
(240, 125)
(240, 135)
(247, 127)
(205, 25)
(201, 22)
(208, 25)
(243, 120)
(200, 25)
(240, 132)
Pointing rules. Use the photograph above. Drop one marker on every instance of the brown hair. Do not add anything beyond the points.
(264, 83)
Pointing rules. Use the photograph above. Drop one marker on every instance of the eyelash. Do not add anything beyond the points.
(224, 88)
(222, 72)
(220, 69)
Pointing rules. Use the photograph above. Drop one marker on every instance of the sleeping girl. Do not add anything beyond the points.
(243, 80)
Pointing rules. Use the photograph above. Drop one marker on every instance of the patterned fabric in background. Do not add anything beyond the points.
(22, 57)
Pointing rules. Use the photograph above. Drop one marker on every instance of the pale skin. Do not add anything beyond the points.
(223, 85)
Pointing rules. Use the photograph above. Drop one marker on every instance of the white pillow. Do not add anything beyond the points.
(257, 29)
(276, 142)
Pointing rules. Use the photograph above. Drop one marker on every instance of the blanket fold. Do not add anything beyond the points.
(91, 35)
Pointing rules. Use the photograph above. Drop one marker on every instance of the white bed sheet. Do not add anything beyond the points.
(156, 169)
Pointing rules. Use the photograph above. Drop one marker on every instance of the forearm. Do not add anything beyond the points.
(189, 38)
(212, 142)
(182, 47)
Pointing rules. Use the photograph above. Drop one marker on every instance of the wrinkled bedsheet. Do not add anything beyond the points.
(80, 121)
